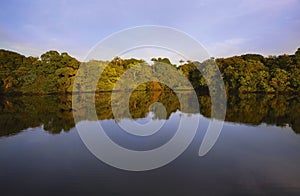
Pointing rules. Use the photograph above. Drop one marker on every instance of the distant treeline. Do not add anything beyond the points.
(55, 73)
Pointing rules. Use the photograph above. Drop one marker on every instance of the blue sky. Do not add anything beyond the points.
(224, 27)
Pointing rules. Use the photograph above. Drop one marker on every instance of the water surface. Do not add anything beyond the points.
(257, 152)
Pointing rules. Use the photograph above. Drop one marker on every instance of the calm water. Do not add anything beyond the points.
(257, 152)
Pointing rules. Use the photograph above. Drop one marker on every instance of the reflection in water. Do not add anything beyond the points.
(55, 113)
(246, 160)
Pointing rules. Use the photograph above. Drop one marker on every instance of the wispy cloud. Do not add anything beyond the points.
(259, 5)
(75, 26)
(228, 47)
(147, 53)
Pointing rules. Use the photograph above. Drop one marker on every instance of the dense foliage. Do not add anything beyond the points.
(55, 73)
(52, 73)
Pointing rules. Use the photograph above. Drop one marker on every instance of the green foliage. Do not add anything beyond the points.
(55, 73)
(279, 80)
(255, 73)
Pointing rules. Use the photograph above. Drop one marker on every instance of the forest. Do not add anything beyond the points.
(54, 73)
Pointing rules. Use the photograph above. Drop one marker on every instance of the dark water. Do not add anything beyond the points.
(257, 153)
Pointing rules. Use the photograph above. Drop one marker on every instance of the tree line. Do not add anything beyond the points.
(54, 73)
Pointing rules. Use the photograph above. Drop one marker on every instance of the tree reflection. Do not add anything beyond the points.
(55, 113)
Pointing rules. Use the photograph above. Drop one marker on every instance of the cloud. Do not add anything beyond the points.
(147, 53)
(227, 47)
(75, 26)
(264, 5)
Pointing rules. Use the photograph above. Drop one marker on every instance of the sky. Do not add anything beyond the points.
(223, 27)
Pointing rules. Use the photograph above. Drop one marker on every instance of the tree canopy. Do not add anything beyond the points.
(55, 72)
